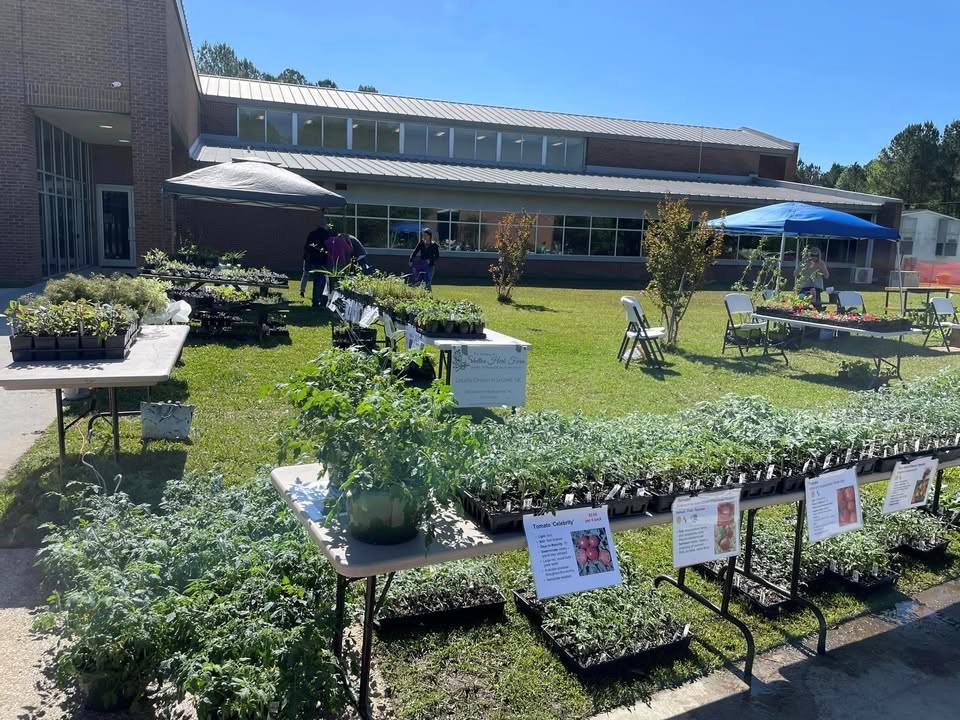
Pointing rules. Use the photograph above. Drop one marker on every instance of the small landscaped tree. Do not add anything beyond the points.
(514, 233)
(679, 254)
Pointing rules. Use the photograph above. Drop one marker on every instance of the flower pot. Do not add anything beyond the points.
(21, 348)
(110, 692)
(465, 328)
(449, 326)
(382, 517)
(114, 347)
(69, 347)
(44, 348)
(90, 342)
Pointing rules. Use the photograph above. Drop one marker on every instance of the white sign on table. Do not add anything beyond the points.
(412, 337)
(833, 504)
(571, 551)
(489, 376)
(910, 485)
(706, 527)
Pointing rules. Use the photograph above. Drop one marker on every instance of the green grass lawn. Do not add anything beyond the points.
(494, 670)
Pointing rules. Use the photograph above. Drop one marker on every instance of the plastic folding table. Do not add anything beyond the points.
(150, 361)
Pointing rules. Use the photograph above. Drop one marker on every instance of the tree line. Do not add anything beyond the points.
(920, 165)
(221, 59)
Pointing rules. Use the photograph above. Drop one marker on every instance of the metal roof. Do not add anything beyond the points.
(348, 167)
(311, 96)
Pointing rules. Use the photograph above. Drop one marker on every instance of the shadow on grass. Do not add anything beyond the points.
(754, 363)
(531, 307)
(47, 494)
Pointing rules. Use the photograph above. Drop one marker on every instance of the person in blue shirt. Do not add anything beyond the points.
(423, 259)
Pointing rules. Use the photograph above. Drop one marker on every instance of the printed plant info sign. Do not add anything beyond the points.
(571, 551)
(706, 527)
(910, 484)
(489, 376)
(833, 504)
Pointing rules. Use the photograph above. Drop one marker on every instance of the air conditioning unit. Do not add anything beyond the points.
(862, 276)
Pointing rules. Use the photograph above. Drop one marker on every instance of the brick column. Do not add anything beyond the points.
(149, 122)
(20, 237)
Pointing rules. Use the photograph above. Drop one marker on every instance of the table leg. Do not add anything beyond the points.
(338, 613)
(797, 545)
(936, 493)
(369, 608)
(61, 431)
(115, 421)
(748, 549)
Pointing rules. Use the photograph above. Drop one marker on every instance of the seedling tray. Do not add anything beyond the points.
(651, 655)
(927, 551)
(453, 335)
(769, 609)
(460, 615)
(865, 585)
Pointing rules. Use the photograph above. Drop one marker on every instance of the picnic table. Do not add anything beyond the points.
(305, 489)
(150, 362)
(879, 360)
(906, 292)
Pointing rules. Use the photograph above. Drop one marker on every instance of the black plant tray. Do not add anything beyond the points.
(759, 488)
(709, 571)
(792, 483)
(948, 454)
(114, 347)
(445, 616)
(866, 585)
(929, 552)
(453, 335)
(661, 502)
(652, 655)
(771, 610)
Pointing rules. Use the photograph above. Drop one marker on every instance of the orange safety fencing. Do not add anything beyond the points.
(935, 273)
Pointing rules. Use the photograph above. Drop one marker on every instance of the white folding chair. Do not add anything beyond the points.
(943, 317)
(639, 331)
(739, 321)
(848, 300)
(389, 331)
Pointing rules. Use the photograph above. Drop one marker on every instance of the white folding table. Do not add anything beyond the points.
(879, 360)
(150, 361)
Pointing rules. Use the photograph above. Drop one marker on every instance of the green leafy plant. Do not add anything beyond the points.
(679, 254)
(511, 241)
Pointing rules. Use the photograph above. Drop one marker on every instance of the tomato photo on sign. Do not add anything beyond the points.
(846, 506)
(592, 551)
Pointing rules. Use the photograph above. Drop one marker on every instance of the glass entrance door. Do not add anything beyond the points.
(115, 223)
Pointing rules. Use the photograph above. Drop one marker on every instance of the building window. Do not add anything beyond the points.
(487, 145)
(947, 249)
(573, 158)
(334, 133)
(438, 142)
(532, 150)
(364, 135)
(66, 220)
(309, 130)
(906, 246)
(279, 127)
(388, 137)
(414, 139)
(465, 144)
(556, 149)
(511, 148)
(251, 124)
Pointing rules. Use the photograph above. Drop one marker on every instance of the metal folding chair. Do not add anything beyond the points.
(848, 300)
(943, 317)
(389, 331)
(639, 331)
(740, 306)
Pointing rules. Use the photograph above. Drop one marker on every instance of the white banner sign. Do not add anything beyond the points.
(910, 484)
(833, 504)
(571, 551)
(489, 375)
(706, 527)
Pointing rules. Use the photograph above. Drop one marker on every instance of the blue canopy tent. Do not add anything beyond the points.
(799, 219)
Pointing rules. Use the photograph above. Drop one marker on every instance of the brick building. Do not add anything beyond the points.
(100, 101)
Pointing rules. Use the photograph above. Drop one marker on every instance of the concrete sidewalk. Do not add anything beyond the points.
(23, 414)
(901, 663)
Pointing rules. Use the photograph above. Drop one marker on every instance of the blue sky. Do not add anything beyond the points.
(840, 77)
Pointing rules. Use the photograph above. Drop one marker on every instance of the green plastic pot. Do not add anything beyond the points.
(382, 517)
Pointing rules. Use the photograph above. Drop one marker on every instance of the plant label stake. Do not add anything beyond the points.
(833, 504)
(910, 484)
(706, 527)
(571, 551)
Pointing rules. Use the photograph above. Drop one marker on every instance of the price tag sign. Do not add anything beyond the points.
(706, 527)
(571, 551)
(910, 484)
(833, 504)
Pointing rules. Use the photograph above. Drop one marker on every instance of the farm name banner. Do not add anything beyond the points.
(571, 551)
(833, 504)
(489, 376)
(706, 527)
(910, 484)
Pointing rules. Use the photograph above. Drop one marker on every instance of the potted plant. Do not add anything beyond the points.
(155, 260)
(409, 453)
